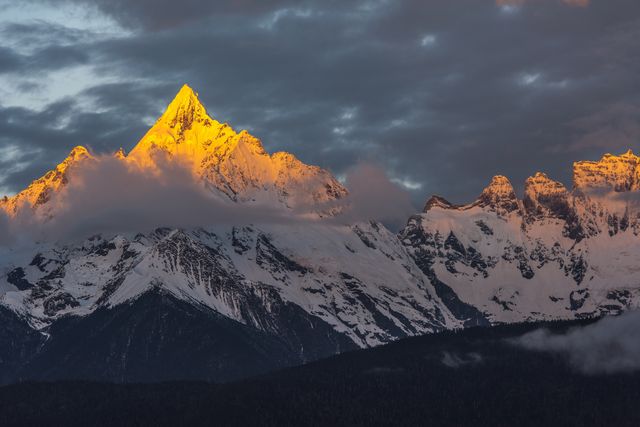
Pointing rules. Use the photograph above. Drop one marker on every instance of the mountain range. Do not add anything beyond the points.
(227, 299)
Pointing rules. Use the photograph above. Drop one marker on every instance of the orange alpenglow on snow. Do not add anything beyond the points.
(621, 173)
(40, 191)
(233, 164)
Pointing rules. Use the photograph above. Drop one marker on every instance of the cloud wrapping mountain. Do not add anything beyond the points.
(191, 171)
(612, 345)
(580, 3)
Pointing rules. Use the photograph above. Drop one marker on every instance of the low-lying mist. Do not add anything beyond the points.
(108, 195)
(611, 345)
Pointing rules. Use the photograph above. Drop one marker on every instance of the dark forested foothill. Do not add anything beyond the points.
(468, 378)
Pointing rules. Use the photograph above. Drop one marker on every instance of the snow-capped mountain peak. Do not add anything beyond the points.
(185, 130)
(436, 201)
(499, 196)
(544, 197)
(620, 173)
(234, 164)
(185, 110)
(39, 192)
(557, 254)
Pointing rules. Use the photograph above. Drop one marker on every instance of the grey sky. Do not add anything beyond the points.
(442, 94)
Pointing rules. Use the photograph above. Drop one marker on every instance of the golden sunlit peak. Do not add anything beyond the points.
(628, 154)
(78, 152)
(184, 110)
(185, 95)
(186, 89)
(500, 183)
(187, 98)
(120, 154)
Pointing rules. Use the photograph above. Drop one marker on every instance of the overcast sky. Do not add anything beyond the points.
(442, 94)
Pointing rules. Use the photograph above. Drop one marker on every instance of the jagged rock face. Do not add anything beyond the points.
(563, 254)
(358, 281)
(620, 173)
(41, 190)
(437, 201)
(546, 198)
(499, 196)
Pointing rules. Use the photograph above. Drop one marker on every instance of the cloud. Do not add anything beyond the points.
(580, 3)
(111, 196)
(107, 195)
(43, 59)
(454, 361)
(614, 128)
(6, 235)
(163, 14)
(373, 196)
(609, 346)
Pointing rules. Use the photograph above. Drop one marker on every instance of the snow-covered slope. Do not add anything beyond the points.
(360, 279)
(555, 254)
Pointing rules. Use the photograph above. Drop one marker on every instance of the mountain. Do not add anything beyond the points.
(234, 163)
(308, 285)
(229, 163)
(38, 195)
(315, 287)
(557, 253)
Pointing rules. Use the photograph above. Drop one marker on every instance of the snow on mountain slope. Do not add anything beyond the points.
(554, 254)
(359, 280)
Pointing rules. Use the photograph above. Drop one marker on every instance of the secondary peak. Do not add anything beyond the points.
(184, 110)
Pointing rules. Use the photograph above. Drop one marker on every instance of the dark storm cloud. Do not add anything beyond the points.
(162, 14)
(56, 57)
(581, 3)
(33, 142)
(41, 33)
(615, 127)
(40, 47)
(443, 94)
(34, 139)
(9, 60)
